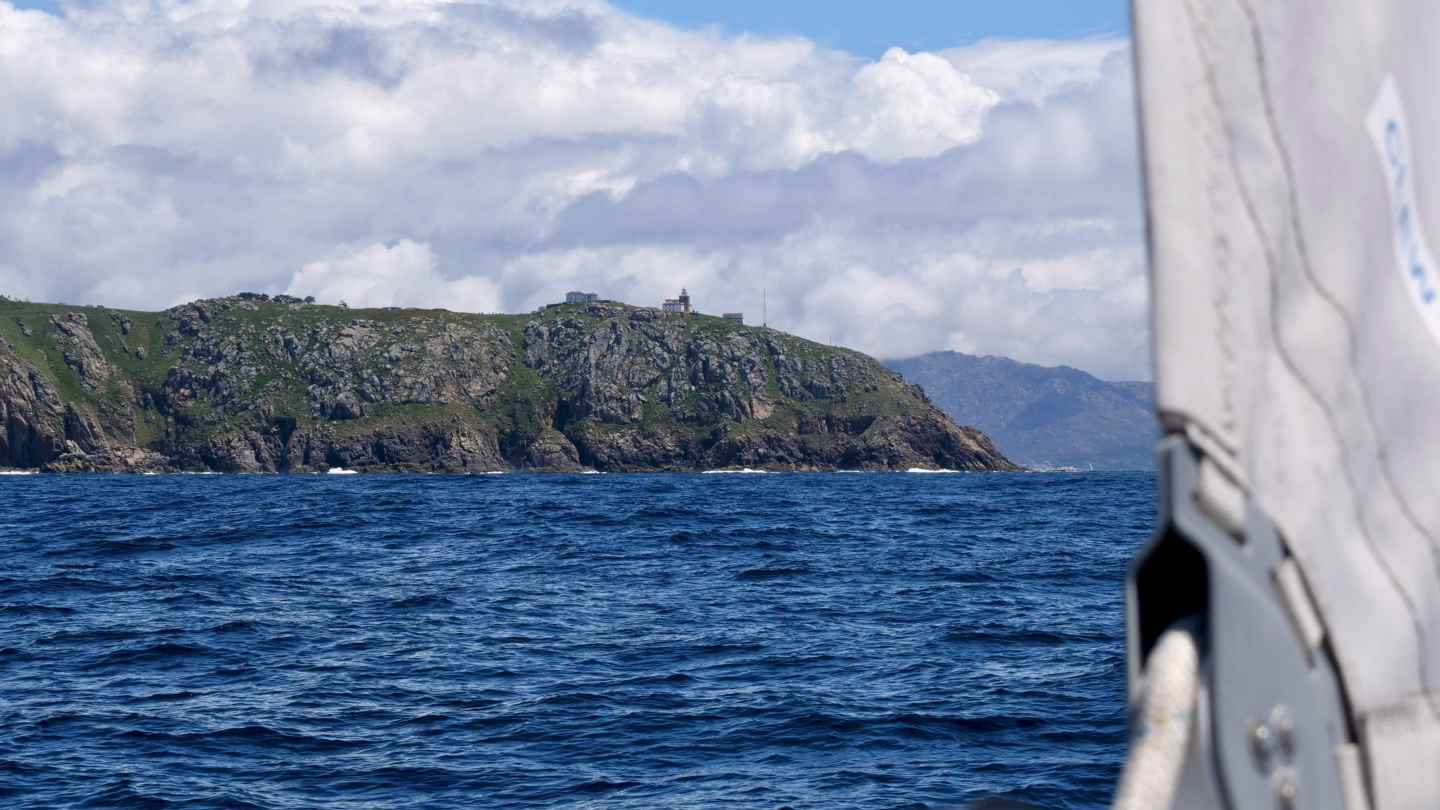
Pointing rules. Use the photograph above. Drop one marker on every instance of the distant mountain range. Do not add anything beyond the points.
(1042, 417)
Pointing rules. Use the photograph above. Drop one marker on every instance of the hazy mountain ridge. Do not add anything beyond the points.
(1042, 416)
(249, 383)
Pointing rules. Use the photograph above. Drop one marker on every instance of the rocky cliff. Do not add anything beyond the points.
(253, 384)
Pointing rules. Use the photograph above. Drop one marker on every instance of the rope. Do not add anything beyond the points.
(1167, 708)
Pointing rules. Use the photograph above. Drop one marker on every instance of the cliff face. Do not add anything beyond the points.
(249, 384)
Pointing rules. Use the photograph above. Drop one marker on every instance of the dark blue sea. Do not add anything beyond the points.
(580, 641)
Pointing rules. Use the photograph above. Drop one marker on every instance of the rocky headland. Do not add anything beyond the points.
(251, 383)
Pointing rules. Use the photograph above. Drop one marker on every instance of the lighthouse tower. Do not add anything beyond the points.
(684, 301)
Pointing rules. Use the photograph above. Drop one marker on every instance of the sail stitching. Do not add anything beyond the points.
(1298, 235)
(1211, 130)
(1350, 330)
(1228, 157)
(1272, 268)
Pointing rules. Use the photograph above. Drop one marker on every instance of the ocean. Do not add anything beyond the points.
(778, 641)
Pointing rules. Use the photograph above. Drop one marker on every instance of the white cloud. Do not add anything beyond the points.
(491, 154)
(1033, 70)
(914, 105)
(400, 275)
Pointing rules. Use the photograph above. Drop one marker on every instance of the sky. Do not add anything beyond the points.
(868, 29)
(898, 179)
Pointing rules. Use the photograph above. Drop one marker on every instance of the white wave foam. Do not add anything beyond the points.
(918, 470)
(340, 471)
(17, 472)
(734, 472)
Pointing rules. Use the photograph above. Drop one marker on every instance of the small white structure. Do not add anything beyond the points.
(577, 297)
(680, 305)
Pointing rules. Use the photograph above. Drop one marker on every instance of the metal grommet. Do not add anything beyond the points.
(1261, 743)
(1285, 792)
(1283, 726)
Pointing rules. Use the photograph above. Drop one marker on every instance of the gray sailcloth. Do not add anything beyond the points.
(1292, 158)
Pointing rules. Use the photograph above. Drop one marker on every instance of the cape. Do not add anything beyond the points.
(251, 383)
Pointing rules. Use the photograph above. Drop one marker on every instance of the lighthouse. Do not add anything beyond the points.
(679, 305)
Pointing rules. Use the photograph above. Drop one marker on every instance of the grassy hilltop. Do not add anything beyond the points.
(249, 383)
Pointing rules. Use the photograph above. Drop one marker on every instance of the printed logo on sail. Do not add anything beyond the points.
(1386, 123)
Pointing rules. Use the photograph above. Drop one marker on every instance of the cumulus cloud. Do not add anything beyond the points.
(401, 275)
(491, 154)
(914, 105)
(1033, 70)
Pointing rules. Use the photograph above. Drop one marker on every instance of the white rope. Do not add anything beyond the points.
(1167, 709)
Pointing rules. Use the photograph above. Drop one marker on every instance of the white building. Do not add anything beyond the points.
(681, 304)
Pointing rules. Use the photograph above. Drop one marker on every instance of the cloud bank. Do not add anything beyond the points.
(489, 156)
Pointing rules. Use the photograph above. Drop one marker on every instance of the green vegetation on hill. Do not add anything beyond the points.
(252, 383)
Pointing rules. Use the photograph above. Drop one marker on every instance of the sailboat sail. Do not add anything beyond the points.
(1292, 158)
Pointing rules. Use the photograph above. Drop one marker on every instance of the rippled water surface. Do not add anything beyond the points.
(615, 641)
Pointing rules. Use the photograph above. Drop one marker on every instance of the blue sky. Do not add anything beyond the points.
(869, 28)
(43, 5)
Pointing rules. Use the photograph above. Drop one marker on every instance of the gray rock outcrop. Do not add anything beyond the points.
(255, 384)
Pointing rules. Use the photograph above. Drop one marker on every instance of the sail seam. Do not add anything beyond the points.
(1352, 341)
(1301, 246)
(1252, 214)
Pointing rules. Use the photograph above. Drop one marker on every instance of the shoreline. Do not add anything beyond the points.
(743, 471)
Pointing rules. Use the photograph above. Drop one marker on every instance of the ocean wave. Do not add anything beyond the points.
(770, 573)
(428, 600)
(165, 651)
(651, 641)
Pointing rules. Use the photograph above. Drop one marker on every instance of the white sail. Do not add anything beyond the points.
(1292, 154)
